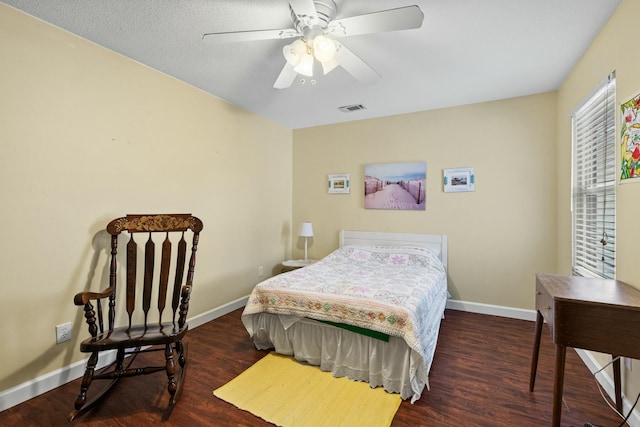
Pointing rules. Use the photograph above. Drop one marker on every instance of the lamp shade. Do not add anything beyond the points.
(305, 66)
(293, 52)
(324, 49)
(306, 230)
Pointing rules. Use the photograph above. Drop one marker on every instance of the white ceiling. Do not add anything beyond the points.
(467, 51)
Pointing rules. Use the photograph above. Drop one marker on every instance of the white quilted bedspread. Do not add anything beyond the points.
(394, 290)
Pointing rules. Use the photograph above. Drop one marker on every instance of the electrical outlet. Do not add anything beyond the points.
(627, 363)
(260, 271)
(63, 332)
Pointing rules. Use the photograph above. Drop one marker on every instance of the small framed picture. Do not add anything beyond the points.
(458, 180)
(339, 183)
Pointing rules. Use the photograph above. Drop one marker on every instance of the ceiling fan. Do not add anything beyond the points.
(316, 32)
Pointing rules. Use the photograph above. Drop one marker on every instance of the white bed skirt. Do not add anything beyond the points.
(392, 365)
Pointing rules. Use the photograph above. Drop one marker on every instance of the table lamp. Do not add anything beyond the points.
(306, 231)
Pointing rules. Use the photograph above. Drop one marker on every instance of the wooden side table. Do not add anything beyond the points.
(593, 314)
(294, 264)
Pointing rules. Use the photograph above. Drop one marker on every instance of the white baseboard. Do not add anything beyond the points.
(494, 310)
(210, 315)
(44, 383)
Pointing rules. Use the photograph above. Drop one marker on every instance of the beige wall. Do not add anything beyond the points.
(612, 50)
(87, 135)
(499, 235)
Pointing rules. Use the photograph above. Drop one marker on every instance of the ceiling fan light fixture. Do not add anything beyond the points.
(324, 49)
(294, 52)
(305, 66)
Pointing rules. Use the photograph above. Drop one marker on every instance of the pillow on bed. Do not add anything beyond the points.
(391, 255)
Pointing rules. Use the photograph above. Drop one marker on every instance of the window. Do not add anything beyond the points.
(594, 184)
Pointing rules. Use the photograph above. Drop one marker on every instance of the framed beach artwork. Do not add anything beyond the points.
(395, 186)
(339, 183)
(459, 180)
(630, 140)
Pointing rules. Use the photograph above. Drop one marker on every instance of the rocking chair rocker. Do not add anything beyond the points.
(151, 334)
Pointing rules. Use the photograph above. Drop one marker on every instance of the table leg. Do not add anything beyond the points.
(561, 352)
(617, 383)
(536, 350)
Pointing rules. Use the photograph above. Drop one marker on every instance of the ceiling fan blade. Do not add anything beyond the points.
(245, 36)
(403, 18)
(304, 9)
(355, 66)
(286, 77)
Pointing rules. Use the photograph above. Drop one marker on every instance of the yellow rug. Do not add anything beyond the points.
(287, 393)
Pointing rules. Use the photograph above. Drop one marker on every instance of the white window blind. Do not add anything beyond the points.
(594, 184)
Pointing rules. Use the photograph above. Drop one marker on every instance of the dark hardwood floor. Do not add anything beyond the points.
(480, 377)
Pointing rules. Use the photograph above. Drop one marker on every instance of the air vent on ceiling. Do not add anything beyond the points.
(350, 108)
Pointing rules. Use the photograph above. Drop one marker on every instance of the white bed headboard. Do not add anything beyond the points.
(435, 242)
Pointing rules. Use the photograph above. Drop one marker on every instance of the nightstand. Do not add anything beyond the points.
(294, 264)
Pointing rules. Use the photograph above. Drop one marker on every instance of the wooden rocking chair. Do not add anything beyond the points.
(152, 334)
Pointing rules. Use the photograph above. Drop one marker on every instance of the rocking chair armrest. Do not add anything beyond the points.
(84, 297)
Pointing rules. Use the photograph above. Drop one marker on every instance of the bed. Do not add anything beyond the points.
(369, 311)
